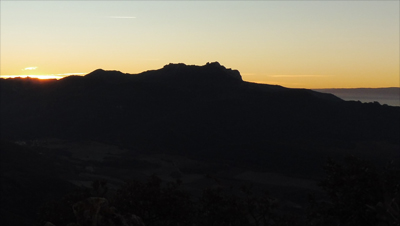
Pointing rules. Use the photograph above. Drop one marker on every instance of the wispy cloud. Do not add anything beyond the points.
(29, 68)
(297, 76)
(122, 17)
(276, 82)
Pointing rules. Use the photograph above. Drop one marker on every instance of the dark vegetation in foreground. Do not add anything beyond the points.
(356, 193)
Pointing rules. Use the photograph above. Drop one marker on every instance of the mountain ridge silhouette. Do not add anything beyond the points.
(173, 71)
(202, 110)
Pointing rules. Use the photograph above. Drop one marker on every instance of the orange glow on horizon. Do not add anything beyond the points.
(51, 76)
(33, 76)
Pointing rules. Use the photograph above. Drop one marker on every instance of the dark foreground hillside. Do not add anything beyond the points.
(189, 123)
(59, 185)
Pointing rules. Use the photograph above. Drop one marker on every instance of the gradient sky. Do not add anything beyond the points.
(307, 44)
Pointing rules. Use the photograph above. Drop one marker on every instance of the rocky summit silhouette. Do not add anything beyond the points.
(206, 111)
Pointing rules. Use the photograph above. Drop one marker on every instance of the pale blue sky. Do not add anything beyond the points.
(311, 44)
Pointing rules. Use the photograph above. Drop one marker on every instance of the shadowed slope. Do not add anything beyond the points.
(205, 111)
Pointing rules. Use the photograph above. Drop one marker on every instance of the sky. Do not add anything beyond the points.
(296, 44)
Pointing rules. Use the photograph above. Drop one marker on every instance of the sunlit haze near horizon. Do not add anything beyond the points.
(297, 44)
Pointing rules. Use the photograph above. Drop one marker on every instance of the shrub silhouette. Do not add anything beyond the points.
(60, 212)
(219, 208)
(165, 204)
(154, 203)
(358, 194)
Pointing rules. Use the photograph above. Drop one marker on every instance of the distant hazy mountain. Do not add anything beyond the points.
(389, 96)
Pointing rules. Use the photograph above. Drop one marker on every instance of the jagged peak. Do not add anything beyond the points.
(231, 72)
(209, 67)
(215, 64)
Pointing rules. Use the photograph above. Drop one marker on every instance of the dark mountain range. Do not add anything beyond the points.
(180, 121)
(202, 110)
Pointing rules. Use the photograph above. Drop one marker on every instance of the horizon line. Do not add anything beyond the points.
(63, 75)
